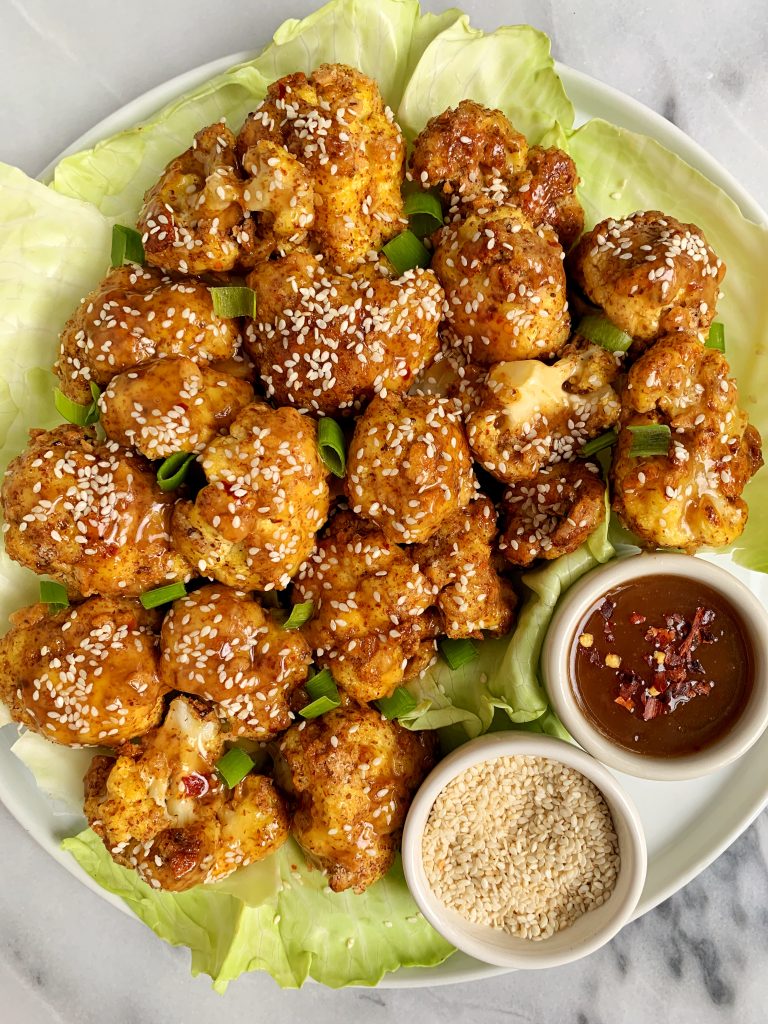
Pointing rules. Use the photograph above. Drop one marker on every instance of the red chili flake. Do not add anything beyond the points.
(195, 785)
(652, 708)
(625, 703)
(636, 619)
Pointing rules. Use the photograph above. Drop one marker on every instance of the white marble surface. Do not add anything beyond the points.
(67, 956)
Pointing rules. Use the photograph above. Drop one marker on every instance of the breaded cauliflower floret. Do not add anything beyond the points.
(329, 342)
(192, 216)
(134, 315)
(458, 561)
(409, 465)
(171, 405)
(546, 192)
(220, 644)
(336, 125)
(254, 523)
(279, 191)
(89, 514)
(552, 514)
(691, 497)
(650, 273)
(504, 284)
(84, 676)
(350, 776)
(525, 415)
(161, 810)
(368, 626)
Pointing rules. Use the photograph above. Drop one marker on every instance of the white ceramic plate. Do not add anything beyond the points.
(687, 824)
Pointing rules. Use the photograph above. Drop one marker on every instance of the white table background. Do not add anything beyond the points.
(700, 957)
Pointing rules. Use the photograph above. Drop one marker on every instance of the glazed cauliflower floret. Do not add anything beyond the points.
(409, 465)
(546, 192)
(505, 286)
(192, 216)
(525, 415)
(220, 644)
(650, 273)
(350, 776)
(691, 497)
(160, 808)
(329, 342)
(552, 514)
(86, 675)
(335, 124)
(279, 190)
(137, 314)
(369, 625)
(254, 522)
(89, 514)
(171, 405)
(458, 561)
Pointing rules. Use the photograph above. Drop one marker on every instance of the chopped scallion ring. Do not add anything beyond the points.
(600, 331)
(458, 652)
(599, 444)
(233, 766)
(127, 246)
(649, 439)
(300, 613)
(716, 336)
(424, 212)
(163, 595)
(397, 705)
(233, 300)
(54, 594)
(405, 252)
(324, 693)
(173, 471)
(73, 412)
(331, 445)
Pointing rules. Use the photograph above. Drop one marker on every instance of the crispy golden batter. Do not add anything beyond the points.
(650, 273)
(690, 498)
(546, 192)
(161, 810)
(369, 626)
(504, 284)
(221, 644)
(552, 514)
(90, 514)
(458, 562)
(350, 776)
(134, 315)
(409, 465)
(85, 676)
(254, 523)
(171, 405)
(336, 125)
(329, 342)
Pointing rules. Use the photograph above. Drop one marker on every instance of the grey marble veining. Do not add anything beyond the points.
(66, 956)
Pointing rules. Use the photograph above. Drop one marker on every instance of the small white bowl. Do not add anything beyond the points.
(555, 664)
(492, 945)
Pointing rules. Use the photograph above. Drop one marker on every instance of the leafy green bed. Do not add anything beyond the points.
(54, 246)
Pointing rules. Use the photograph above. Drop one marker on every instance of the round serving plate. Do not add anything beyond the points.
(687, 824)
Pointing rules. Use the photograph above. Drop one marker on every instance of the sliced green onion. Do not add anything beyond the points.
(425, 214)
(405, 252)
(127, 246)
(300, 613)
(458, 652)
(54, 595)
(716, 336)
(602, 332)
(163, 595)
(649, 439)
(233, 300)
(173, 471)
(398, 704)
(599, 444)
(324, 693)
(319, 707)
(233, 766)
(331, 445)
(73, 412)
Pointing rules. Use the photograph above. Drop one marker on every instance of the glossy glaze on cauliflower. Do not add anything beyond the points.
(161, 810)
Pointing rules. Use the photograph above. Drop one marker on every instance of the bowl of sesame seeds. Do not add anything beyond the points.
(524, 851)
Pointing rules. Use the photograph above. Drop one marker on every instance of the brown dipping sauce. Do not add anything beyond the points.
(686, 666)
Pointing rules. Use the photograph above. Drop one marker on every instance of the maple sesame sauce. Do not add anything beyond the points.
(662, 665)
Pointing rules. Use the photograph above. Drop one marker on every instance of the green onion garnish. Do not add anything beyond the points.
(173, 471)
(300, 614)
(458, 652)
(73, 412)
(233, 300)
(398, 704)
(233, 766)
(127, 246)
(649, 439)
(324, 693)
(425, 214)
(405, 252)
(163, 595)
(716, 336)
(331, 445)
(602, 332)
(599, 444)
(54, 595)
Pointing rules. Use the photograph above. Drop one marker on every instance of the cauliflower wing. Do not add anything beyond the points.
(546, 192)
(279, 191)
(350, 776)
(85, 676)
(161, 810)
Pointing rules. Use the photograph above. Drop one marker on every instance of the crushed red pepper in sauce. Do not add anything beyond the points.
(662, 665)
